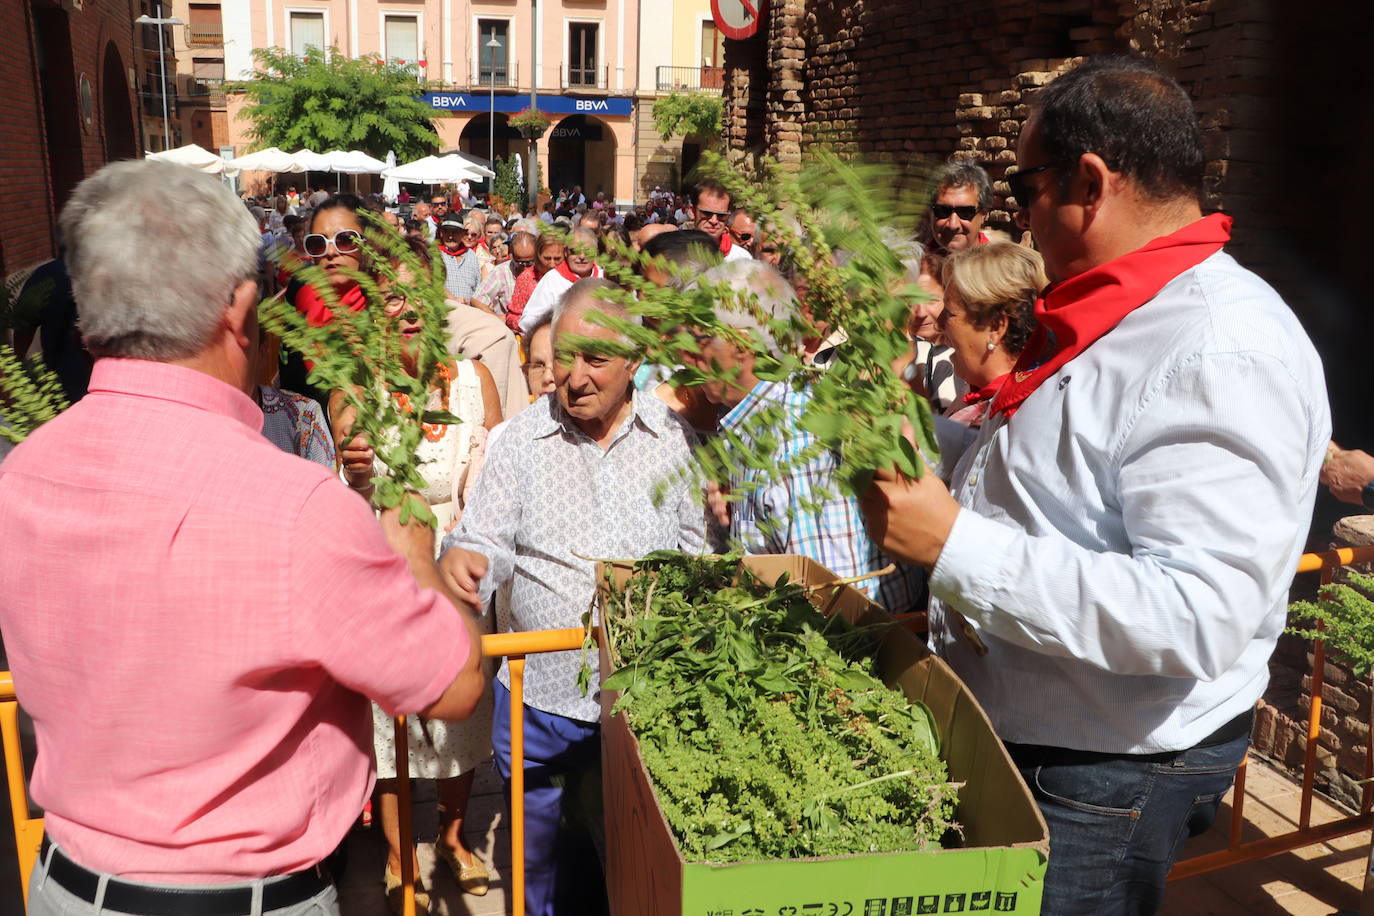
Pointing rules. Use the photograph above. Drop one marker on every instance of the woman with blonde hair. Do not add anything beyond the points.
(989, 314)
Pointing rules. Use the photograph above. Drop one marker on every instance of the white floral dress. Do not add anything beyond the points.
(441, 750)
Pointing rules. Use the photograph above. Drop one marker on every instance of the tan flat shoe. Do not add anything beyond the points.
(474, 879)
(395, 895)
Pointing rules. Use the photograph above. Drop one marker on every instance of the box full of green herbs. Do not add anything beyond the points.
(775, 745)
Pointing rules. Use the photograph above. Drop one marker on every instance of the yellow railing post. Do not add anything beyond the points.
(516, 664)
(404, 825)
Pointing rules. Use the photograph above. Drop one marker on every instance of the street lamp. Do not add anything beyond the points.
(491, 118)
(162, 63)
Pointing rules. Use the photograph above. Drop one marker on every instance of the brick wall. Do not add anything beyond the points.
(1274, 88)
(27, 183)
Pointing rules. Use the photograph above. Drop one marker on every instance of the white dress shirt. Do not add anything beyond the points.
(547, 292)
(1128, 538)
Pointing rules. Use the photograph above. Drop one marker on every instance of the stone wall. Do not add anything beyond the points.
(1274, 88)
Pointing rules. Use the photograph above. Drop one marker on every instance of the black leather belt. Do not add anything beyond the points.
(1242, 724)
(169, 900)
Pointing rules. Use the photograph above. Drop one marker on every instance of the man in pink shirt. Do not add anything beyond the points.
(195, 619)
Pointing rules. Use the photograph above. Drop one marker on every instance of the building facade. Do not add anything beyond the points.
(479, 60)
(69, 107)
(683, 52)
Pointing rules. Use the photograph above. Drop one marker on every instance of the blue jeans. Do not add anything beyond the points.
(562, 755)
(1118, 822)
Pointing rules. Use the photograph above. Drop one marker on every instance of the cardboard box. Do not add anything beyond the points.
(999, 869)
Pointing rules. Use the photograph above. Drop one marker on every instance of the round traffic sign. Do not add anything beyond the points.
(738, 18)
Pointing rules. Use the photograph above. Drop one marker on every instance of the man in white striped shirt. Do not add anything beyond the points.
(1124, 528)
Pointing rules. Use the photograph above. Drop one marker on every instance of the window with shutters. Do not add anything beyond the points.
(582, 56)
(492, 61)
(307, 31)
(403, 41)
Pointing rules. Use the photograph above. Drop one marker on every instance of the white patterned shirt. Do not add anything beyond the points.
(1128, 538)
(547, 497)
(464, 272)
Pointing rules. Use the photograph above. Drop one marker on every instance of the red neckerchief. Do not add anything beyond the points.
(571, 277)
(317, 312)
(1073, 314)
(726, 243)
(453, 252)
(988, 391)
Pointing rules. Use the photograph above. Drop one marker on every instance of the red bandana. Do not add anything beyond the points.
(317, 312)
(726, 243)
(571, 277)
(988, 391)
(1075, 313)
(453, 252)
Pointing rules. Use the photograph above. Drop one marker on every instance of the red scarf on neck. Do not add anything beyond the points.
(726, 243)
(571, 277)
(988, 391)
(318, 313)
(453, 252)
(1075, 313)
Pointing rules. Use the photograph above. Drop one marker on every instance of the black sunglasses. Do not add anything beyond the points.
(521, 263)
(703, 213)
(942, 211)
(345, 241)
(1020, 188)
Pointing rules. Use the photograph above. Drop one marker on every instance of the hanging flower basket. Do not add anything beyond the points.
(532, 123)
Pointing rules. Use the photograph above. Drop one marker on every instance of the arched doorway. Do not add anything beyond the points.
(582, 152)
(115, 114)
(477, 137)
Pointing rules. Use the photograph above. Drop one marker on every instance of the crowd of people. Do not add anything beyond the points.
(1116, 550)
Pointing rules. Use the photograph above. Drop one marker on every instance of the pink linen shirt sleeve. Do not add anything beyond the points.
(359, 613)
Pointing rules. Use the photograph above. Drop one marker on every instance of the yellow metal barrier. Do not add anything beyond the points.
(28, 831)
(1237, 852)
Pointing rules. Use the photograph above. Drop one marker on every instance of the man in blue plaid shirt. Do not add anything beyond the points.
(798, 510)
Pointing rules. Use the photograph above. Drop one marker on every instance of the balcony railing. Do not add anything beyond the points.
(691, 79)
(501, 77)
(586, 77)
(205, 35)
(205, 91)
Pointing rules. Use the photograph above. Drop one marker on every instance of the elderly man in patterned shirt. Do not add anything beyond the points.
(799, 508)
(573, 476)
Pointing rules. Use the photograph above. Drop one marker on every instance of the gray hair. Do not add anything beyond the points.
(529, 224)
(154, 251)
(581, 298)
(763, 295)
(962, 172)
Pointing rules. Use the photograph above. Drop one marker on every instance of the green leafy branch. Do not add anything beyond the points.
(1346, 615)
(360, 353)
(30, 394)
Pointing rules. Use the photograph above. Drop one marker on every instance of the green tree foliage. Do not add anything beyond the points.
(841, 227)
(686, 114)
(329, 101)
(360, 354)
(506, 185)
(761, 722)
(1346, 613)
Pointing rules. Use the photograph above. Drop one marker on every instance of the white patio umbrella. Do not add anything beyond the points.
(482, 166)
(196, 157)
(354, 162)
(269, 160)
(390, 187)
(311, 161)
(436, 170)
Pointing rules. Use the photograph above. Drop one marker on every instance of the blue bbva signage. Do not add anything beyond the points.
(510, 104)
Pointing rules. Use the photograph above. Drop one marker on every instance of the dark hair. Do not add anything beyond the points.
(632, 222)
(690, 249)
(494, 219)
(710, 184)
(963, 172)
(1132, 114)
(291, 221)
(415, 225)
(419, 248)
(343, 201)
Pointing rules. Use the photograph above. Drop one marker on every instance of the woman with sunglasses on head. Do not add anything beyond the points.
(450, 455)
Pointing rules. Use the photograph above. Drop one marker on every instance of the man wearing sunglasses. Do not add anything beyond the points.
(1124, 528)
(742, 231)
(711, 202)
(493, 295)
(963, 194)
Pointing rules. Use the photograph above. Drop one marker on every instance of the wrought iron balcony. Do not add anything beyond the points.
(691, 79)
(206, 35)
